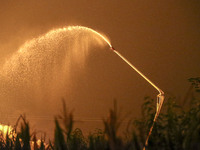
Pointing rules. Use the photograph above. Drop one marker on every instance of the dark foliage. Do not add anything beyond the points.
(176, 129)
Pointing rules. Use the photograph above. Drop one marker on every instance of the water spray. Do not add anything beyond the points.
(160, 96)
(53, 34)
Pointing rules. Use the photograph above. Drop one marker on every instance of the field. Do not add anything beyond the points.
(177, 128)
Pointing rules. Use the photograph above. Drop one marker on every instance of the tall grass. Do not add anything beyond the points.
(176, 129)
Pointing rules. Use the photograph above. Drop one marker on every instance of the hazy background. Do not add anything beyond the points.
(161, 38)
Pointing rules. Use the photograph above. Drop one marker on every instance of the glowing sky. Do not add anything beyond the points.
(161, 38)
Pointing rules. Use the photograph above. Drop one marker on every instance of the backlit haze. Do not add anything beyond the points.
(39, 67)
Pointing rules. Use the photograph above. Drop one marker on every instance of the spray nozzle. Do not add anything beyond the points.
(112, 48)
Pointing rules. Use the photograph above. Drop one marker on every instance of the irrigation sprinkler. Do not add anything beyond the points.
(160, 96)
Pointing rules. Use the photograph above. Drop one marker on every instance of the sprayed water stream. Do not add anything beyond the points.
(42, 65)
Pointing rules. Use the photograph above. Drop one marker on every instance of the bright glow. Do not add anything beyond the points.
(89, 29)
(4, 129)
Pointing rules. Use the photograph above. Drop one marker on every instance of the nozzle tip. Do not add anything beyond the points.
(112, 48)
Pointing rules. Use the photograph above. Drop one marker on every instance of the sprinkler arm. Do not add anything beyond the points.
(141, 74)
(160, 96)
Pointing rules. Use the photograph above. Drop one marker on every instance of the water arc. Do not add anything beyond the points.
(45, 63)
(47, 53)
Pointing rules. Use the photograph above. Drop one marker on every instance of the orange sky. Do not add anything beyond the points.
(161, 38)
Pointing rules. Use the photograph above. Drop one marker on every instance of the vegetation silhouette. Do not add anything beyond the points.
(176, 129)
